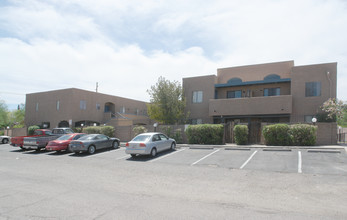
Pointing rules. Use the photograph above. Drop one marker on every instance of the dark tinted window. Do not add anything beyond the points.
(312, 89)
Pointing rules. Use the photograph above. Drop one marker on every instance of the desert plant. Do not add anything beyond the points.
(92, 130)
(108, 131)
(241, 134)
(139, 130)
(31, 129)
(303, 134)
(205, 134)
(277, 134)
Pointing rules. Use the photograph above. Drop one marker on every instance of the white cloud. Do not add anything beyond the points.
(127, 45)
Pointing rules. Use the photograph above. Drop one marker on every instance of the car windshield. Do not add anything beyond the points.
(142, 138)
(87, 137)
(48, 133)
(64, 137)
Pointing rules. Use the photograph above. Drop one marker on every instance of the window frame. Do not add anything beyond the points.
(313, 89)
(197, 97)
(234, 92)
(276, 91)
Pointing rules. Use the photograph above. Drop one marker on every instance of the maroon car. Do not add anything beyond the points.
(63, 142)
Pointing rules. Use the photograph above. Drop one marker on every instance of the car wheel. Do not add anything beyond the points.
(5, 141)
(173, 146)
(115, 144)
(153, 152)
(91, 149)
(133, 155)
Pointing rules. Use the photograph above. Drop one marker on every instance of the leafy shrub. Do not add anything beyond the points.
(303, 134)
(178, 136)
(241, 134)
(139, 130)
(2, 132)
(108, 131)
(205, 134)
(31, 129)
(278, 134)
(92, 130)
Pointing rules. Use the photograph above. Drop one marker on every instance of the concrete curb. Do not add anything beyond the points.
(247, 147)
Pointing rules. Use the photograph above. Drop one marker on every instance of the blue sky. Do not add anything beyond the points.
(126, 45)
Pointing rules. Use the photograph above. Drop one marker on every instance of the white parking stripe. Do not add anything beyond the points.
(123, 157)
(159, 158)
(204, 157)
(299, 162)
(245, 163)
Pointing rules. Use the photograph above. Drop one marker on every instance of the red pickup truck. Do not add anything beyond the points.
(18, 141)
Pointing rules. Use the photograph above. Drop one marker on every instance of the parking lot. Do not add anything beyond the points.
(211, 183)
(332, 161)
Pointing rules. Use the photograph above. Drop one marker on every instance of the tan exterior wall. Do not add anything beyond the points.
(312, 73)
(326, 134)
(251, 106)
(69, 107)
(204, 84)
(255, 72)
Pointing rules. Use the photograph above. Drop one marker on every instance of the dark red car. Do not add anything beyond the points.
(63, 142)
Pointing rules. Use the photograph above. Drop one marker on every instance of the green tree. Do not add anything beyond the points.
(336, 109)
(167, 102)
(4, 121)
(16, 117)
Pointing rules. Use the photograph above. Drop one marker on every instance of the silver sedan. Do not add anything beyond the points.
(149, 144)
(92, 142)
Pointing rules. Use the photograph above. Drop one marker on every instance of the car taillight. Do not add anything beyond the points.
(127, 144)
(142, 145)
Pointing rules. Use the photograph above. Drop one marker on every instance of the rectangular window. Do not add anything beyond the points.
(313, 89)
(58, 105)
(197, 96)
(97, 106)
(37, 106)
(234, 94)
(122, 110)
(83, 105)
(272, 91)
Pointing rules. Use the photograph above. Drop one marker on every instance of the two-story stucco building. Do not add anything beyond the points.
(262, 93)
(75, 107)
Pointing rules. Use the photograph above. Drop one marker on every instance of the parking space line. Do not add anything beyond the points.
(159, 158)
(204, 157)
(299, 162)
(250, 158)
(123, 157)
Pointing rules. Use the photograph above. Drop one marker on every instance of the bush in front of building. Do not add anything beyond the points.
(277, 135)
(92, 130)
(205, 134)
(241, 134)
(303, 134)
(31, 129)
(139, 129)
(108, 131)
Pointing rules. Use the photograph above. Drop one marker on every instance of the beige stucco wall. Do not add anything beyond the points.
(204, 84)
(255, 72)
(311, 73)
(69, 106)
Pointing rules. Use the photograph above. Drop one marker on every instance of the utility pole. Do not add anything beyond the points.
(97, 85)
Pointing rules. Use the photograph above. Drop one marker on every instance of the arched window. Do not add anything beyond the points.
(234, 81)
(272, 77)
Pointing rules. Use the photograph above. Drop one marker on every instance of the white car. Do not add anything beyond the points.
(149, 144)
(4, 139)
